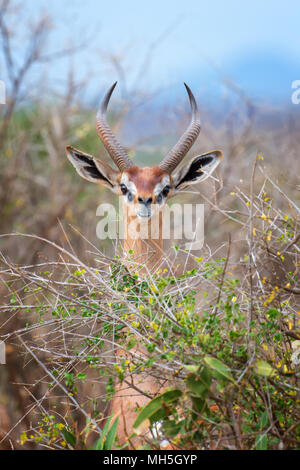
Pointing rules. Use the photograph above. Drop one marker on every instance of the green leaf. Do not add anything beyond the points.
(171, 428)
(220, 370)
(161, 414)
(192, 369)
(199, 384)
(111, 435)
(199, 404)
(263, 368)
(81, 376)
(263, 421)
(155, 405)
(100, 442)
(273, 313)
(261, 442)
(69, 437)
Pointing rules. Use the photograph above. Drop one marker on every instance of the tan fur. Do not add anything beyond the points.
(130, 397)
(128, 400)
(146, 251)
(145, 179)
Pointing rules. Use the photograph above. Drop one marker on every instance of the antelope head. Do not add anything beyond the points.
(146, 189)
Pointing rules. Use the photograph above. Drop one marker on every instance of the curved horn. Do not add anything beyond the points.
(115, 150)
(186, 141)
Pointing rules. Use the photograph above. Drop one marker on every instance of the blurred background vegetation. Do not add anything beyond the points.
(41, 195)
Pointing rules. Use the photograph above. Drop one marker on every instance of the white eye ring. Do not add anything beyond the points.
(123, 188)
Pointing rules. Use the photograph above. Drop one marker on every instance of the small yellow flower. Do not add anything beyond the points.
(23, 438)
(154, 326)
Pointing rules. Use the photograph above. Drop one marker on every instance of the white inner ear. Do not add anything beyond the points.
(80, 165)
(204, 172)
(208, 169)
(82, 161)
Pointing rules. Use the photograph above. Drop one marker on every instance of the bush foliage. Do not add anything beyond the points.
(223, 335)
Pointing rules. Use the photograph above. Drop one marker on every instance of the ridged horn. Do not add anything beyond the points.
(115, 150)
(178, 152)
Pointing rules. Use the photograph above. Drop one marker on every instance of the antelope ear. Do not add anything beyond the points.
(92, 169)
(198, 169)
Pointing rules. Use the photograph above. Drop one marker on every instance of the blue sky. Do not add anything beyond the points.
(256, 43)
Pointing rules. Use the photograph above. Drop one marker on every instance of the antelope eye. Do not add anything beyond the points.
(123, 188)
(166, 190)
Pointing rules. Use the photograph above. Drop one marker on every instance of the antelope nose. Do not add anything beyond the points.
(144, 200)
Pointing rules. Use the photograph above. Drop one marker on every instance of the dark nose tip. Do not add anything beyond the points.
(145, 201)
